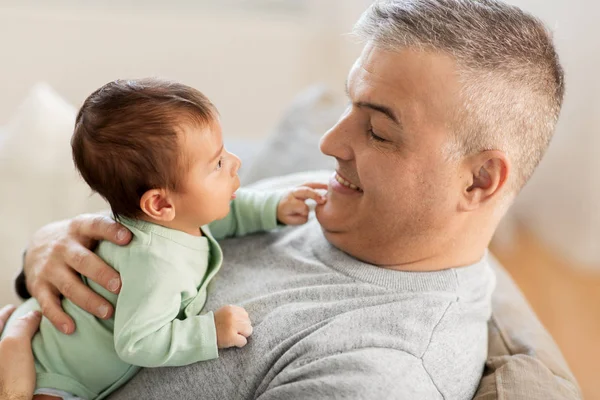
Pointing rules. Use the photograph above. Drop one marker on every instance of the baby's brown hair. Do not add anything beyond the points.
(127, 138)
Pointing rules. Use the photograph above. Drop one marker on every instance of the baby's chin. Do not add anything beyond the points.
(222, 214)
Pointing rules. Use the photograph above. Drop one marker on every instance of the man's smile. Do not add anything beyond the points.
(339, 183)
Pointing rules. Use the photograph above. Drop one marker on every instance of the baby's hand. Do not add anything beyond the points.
(233, 326)
(292, 209)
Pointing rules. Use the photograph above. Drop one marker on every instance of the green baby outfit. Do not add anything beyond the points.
(157, 319)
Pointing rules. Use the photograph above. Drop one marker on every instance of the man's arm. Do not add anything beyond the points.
(55, 257)
(371, 373)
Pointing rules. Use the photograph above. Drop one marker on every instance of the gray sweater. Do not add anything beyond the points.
(327, 326)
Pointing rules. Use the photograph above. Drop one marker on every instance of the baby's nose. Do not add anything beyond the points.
(236, 165)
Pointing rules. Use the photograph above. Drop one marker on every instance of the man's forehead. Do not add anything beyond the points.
(397, 77)
(404, 70)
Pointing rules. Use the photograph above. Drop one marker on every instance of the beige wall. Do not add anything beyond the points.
(250, 60)
(561, 204)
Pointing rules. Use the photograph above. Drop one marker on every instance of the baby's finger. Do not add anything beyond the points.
(305, 193)
(297, 206)
(240, 341)
(245, 330)
(296, 219)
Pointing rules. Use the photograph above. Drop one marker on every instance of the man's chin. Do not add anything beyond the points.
(332, 218)
(335, 232)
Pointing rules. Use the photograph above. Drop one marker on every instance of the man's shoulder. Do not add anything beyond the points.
(442, 334)
(457, 349)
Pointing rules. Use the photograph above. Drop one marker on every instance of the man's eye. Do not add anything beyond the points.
(375, 137)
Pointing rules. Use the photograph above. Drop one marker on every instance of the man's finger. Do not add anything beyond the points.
(316, 185)
(73, 288)
(24, 327)
(52, 309)
(305, 193)
(5, 313)
(101, 227)
(91, 266)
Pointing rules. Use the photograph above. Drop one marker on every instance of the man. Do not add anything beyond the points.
(452, 105)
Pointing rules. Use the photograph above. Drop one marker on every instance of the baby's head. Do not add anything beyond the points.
(154, 150)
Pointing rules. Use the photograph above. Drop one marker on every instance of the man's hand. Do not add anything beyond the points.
(17, 370)
(58, 253)
(292, 209)
(233, 326)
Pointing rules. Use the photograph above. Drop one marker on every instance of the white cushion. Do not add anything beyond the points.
(39, 181)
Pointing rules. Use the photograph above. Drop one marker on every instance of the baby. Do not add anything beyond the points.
(153, 149)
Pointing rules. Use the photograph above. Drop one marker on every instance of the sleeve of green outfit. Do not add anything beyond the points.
(251, 211)
(147, 332)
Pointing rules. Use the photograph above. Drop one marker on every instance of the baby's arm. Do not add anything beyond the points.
(147, 332)
(251, 211)
(254, 211)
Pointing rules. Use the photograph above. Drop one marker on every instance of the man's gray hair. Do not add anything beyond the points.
(512, 81)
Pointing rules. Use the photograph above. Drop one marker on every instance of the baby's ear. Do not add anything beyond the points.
(157, 204)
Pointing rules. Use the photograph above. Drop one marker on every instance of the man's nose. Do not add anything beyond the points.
(337, 141)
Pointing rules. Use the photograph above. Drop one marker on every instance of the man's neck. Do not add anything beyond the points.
(415, 255)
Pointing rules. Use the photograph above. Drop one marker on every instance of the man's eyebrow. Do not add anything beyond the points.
(385, 110)
(382, 109)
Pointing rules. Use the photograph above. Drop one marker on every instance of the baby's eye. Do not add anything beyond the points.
(220, 163)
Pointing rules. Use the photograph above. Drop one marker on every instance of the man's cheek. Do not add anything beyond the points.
(392, 193)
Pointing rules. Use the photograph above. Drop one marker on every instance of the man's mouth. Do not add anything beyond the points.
(346, 183)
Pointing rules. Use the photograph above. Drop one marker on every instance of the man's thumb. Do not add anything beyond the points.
(25, 327)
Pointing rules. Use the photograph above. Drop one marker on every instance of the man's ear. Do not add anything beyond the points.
(487, 175)
(158, 204)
